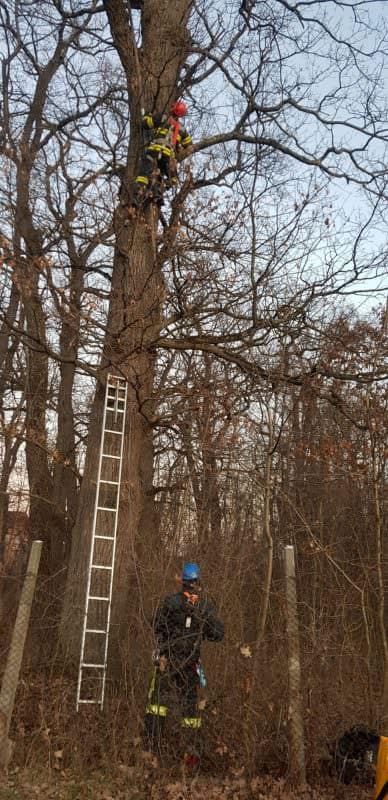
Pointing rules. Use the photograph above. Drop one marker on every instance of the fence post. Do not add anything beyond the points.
(15, 654)
(295, 715)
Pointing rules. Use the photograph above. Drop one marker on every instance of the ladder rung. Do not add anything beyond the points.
(115, 403)
(94, 630)
(98, 597)
(95, 702)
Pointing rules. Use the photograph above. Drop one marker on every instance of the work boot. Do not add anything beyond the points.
(157, 194)
(170, 183)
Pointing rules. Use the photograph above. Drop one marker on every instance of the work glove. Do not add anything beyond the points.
(159, 660)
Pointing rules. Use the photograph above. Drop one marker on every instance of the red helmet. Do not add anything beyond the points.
(179, 109)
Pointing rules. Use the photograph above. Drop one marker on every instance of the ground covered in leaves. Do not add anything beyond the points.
(134, 783)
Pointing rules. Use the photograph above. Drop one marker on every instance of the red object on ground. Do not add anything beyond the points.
(191, 761)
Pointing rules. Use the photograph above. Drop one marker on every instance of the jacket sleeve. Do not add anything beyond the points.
(213, 629)
(148, 122)
(161, 625)
(185, 138)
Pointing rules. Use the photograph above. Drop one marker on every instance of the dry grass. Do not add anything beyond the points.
(97, 755)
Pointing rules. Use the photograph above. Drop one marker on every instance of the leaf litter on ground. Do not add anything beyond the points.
(132, 783)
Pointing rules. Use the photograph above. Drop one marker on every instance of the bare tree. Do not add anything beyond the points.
(246, 277)
(275, 154)
(56, 196)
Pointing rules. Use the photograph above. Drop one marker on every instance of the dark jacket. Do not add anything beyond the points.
(159, 135)
(180, 628)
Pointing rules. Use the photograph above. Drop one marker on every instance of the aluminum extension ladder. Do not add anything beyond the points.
(95, 632)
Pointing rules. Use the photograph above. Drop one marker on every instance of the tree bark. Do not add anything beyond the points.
(65, 473)
(45, 523)
(134, 320)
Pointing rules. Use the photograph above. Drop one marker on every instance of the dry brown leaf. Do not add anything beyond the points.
(237, 771)
(246, 651)
(221, 748)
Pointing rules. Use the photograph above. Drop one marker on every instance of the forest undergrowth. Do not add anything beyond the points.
(96, 755)
(138, 783)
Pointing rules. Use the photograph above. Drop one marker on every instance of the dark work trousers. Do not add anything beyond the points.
(184, 683)
(150, 163)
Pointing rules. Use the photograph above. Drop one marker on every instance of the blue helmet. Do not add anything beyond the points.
(191, 572)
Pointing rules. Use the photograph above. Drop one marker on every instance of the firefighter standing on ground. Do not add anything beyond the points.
(180, 625)
(163, 140)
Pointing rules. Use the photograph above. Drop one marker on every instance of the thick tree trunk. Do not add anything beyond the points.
(134, 320)
(45, 522)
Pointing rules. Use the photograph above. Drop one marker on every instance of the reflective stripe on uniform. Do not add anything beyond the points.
(157, 711)
(159, 148)
(142, 179)
(148, 120)
(186, 141)
(191, 722)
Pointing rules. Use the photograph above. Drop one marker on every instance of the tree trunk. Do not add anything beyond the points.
(134, 320)
(65, 475)
(45, 523)
(9, 320)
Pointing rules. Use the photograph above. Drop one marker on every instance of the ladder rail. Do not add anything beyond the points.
(89, 577)
(115, 524)
(88, 597)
